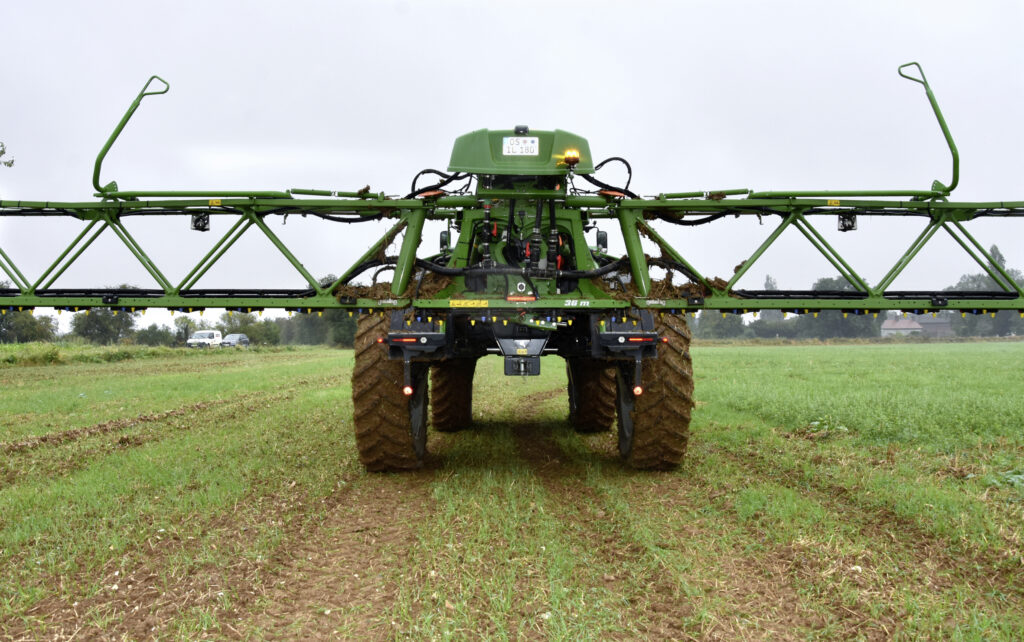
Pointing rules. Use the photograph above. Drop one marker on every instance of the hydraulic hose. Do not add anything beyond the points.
(521, 271)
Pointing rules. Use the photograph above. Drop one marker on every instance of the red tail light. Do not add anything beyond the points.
(407, 391)
(637, 391)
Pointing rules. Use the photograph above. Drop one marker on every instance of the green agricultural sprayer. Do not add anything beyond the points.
(516, 276)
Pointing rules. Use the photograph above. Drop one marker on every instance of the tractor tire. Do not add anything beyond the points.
(654, 427)
(451, 385)
(390, 428)
(591, 395)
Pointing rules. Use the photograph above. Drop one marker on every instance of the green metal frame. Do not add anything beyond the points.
(252, 210)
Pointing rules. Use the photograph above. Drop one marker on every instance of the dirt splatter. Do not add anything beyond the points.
(375, 291)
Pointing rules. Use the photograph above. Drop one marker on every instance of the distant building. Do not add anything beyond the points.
(900, 327)
(937, 327)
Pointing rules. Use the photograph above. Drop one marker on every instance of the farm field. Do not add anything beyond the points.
(830, 491)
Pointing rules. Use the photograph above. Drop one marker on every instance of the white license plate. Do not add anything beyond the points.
(520, 145)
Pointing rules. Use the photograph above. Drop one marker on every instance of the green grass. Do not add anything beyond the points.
(829, 491)
(43, 399)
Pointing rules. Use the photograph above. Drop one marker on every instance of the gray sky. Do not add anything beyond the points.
(697, 95)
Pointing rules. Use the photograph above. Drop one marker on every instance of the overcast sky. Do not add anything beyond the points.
(697, 95)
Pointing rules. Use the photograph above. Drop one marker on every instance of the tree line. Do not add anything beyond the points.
(105, 327)
(831, 324)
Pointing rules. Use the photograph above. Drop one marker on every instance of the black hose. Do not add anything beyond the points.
(593, 181)
(447, 178)
(520, 271)
(699, 221)
(629, 168)
(675, 267)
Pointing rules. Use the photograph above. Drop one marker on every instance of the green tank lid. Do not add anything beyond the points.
(519, 151)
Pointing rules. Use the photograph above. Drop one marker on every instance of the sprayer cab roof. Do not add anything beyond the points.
(521, 152)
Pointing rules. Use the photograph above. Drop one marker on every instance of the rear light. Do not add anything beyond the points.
(407, 391)
(637, 391)
(380, 339)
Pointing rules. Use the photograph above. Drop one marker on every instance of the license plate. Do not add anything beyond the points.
(520, 145)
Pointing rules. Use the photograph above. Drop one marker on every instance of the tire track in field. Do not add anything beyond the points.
(343, 578)
(144, 601)
(748, 589)
(761, 589)
(21, 464)
(657, 605)
(932, 554)
(74, 434)
(758, 579)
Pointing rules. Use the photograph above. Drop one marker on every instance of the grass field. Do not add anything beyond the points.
(868, 491)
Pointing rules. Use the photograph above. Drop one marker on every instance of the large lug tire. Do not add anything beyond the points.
(591, 394)
(391, 428)
(451, 385)
(654, 427)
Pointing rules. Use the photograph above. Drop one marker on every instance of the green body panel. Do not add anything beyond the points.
(481, 152)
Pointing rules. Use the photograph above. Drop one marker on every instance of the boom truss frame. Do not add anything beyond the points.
(252, 210)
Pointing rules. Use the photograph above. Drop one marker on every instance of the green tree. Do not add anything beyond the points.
(264, 333)
(715, 325)
(233, 322)
(331, 327)
(155, 336)
(22, 327)
(1004, 322)
(260, 332)
(766, 328)
(185, 325)
(831, 324)
(343, 328)
(3, 150)
(103, 326)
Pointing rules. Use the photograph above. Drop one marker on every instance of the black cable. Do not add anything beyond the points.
(448, 178)
(699, 221)
(372, 263)
(511, 217)
(593, 181)
(505, 269)
(629, 168)
(529, 282)
(674, 267)
(415, 178)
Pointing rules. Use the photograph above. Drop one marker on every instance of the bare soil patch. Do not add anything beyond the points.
(341, 578)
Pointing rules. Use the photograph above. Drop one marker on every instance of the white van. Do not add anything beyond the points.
(204, 339)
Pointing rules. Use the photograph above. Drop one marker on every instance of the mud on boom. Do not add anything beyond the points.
(517, 276)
